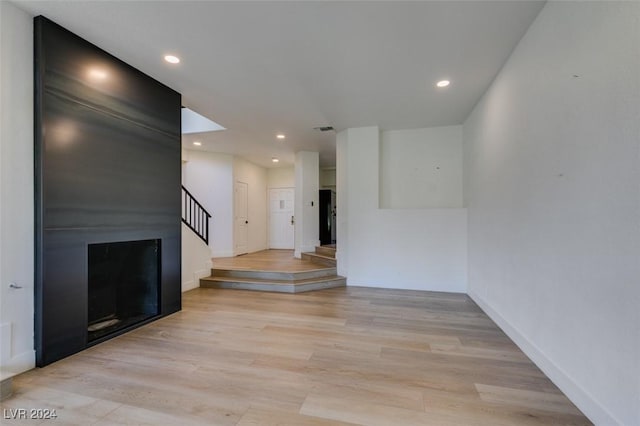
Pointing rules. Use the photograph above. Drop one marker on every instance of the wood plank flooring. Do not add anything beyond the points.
(350, 355)
(266, 260)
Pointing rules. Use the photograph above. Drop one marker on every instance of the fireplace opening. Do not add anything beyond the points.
(124, 278)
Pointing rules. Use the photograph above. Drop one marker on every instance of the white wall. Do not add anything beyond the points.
(553, 189)
(196, 259)
(209, 177)
(328, 178)
(256, 177)
(16, 191)
(282, 177)
(421, 168)
(423, 249)
(307, 213)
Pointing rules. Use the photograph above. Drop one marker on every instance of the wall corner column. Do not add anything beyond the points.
(306, 211)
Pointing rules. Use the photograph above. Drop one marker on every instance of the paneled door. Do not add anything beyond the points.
(281, 220)
(241, 217)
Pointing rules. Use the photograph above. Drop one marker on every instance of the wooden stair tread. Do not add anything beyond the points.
(326, 251)
(271, 285)
(240, 269)
(320, 258)
(268, 281)
(274, 275)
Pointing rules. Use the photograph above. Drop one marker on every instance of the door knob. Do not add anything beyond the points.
(246, 221)
(292, 220)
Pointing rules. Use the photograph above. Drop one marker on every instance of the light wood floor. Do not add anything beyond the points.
(341, 356)
(267, 260)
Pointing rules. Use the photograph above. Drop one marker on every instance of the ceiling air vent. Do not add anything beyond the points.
(324, 128)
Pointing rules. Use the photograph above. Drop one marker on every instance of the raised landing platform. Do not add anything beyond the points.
(272, 270)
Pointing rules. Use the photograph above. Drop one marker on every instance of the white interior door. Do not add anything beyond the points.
(241, 217)
(281, 221)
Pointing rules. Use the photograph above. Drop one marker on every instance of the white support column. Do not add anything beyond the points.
(342, 203)
(307, 171)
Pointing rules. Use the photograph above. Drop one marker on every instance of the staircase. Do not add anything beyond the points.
(195, 216)
(324, 255)
(281, 282)
(292, 276)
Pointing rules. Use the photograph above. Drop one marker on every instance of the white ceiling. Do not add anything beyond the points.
(260, 68)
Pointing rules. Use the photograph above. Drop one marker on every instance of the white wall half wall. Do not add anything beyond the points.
(209, 177)
(256, 178)
(196, 259)
(421, 249)
(16, 191)
(553, 190)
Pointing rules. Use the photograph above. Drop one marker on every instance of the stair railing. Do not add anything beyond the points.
(195, 216)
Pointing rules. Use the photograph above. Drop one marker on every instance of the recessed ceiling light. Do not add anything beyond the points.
(97, 74)
(280, 136)
(274, 159)
(172, 59)
(196, 143)
(443, 83)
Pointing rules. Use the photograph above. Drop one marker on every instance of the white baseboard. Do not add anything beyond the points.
(597, 413)
(201, 274)
(222, 253)
(12, 365)
(18, 364)
(195, 283)
(188, 285)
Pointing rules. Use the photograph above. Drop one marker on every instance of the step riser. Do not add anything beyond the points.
(326, 251)
(278, 288)
(319, 260)
(274, 276)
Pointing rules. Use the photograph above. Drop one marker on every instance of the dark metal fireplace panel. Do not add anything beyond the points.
(107, 171)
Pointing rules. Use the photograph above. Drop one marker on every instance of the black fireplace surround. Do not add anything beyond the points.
(108, 209)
